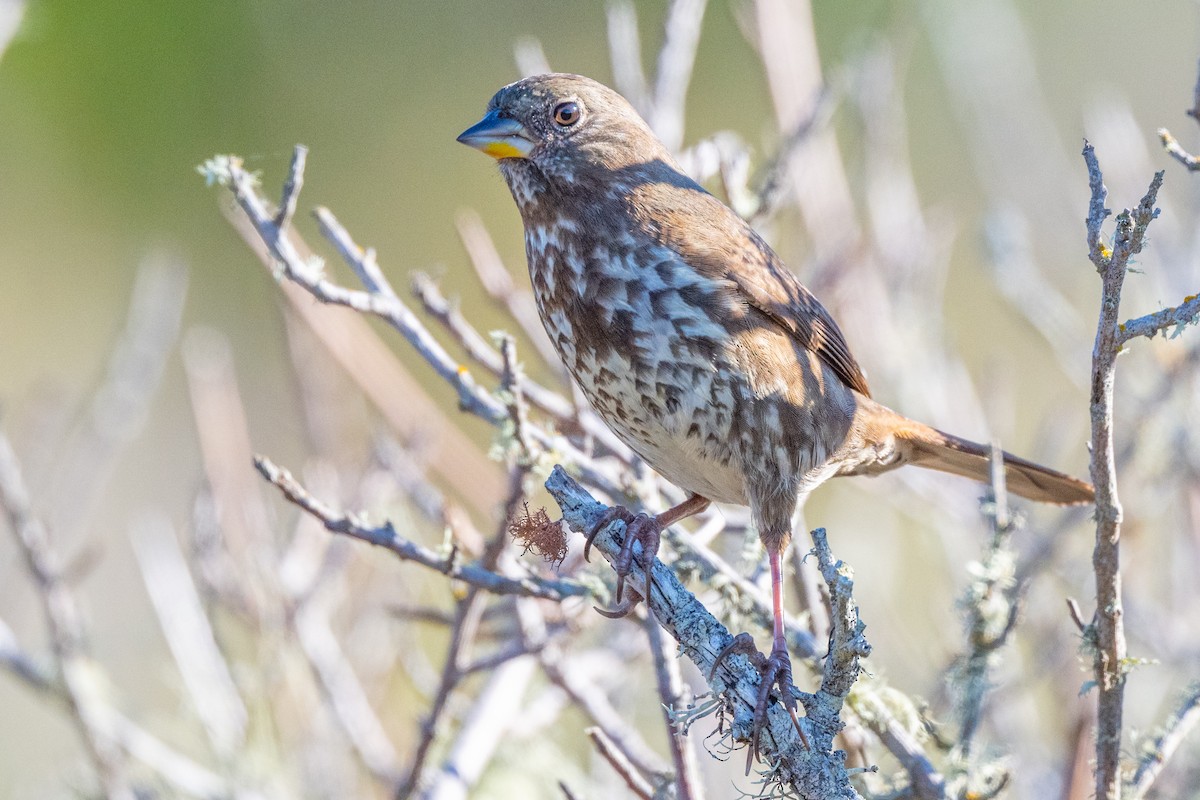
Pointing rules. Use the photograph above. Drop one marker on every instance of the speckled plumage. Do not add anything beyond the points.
(693, 341)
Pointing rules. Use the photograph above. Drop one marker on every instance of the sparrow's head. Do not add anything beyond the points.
(565, 127)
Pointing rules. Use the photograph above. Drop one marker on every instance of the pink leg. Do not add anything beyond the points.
(775, 669)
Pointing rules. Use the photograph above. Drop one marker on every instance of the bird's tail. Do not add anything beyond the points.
(918, 444)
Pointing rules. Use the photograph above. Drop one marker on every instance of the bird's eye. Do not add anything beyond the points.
(566, 114)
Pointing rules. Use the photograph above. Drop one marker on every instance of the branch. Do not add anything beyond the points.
(1165, 744)
(380, 300)
(816, 773)
(1179, 317)
(385, 536)
(671, 692)
(75, 666)
(993, 605)
(1172, 146)
(1108, 630)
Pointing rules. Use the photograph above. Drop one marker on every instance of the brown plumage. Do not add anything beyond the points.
(689, 335)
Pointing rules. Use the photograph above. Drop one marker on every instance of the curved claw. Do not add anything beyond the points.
(610, 514)
(742, 643)
(621, 610)
(776, 670)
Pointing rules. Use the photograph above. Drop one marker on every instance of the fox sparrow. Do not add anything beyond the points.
(693, 341)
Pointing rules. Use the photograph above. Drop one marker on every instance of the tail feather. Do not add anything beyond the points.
(945, 452)
(896, 440)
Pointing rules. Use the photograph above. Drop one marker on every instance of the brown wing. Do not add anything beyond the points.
(719, 244)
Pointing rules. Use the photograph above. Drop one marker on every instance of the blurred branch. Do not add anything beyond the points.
(1164, 745)
(636, 782)
(499, 284)
(671, 693)
(385, 536)
(121, 403)
(81, 682)
(662, 105)
(189, 635)
(1109, 658)
(1172, 146)
(673, 73)
(992, 604)
(347, 697)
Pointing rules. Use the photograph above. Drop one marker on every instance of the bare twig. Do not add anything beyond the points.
(189, 635)
(1172, 146)
(1178, 317)
(592, 701)
(617, 760)
(80, 680)
(381, 301)
(992, 608)
(671, 692)
(1176, 151)
(385, 536)
(1109, 660)
(291, 188)
(1163, 746)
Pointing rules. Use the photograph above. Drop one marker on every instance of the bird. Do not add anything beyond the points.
(693, 341)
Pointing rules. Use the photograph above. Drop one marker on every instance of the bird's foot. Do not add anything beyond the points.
(776, 670)
(638, 528)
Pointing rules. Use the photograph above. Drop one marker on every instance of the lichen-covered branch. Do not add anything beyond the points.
(1108, 630)
(816, 773)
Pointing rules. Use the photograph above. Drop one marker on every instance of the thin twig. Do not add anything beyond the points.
(291, 188)
(992, 602)
(671, 693)
(616, 759)
(385, 536)
(1178, 318)
(1160, 750)
(1176, 151)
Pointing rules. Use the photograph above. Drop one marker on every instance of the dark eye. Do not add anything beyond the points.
(566, 114)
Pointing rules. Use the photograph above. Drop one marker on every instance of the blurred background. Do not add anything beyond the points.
(108, 107)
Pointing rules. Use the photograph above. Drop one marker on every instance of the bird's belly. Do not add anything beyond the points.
(676, 415)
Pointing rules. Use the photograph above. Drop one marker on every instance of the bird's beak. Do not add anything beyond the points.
(498, 137)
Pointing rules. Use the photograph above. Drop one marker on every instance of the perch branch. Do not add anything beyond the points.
(809, 773)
